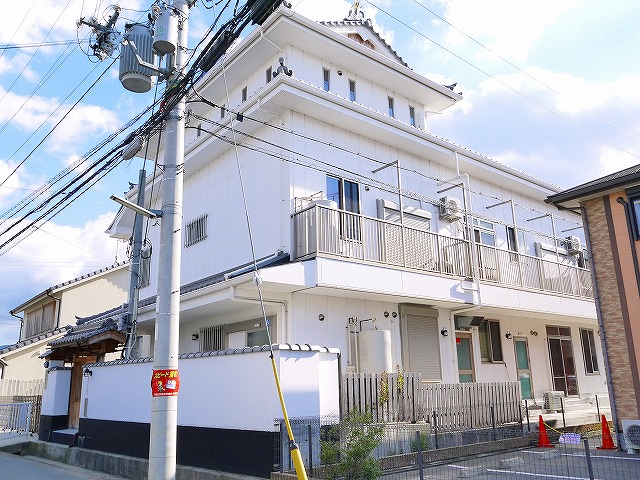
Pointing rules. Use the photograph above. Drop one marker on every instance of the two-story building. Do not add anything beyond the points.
(309, 157)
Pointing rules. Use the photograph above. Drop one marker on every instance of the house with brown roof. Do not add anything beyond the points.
(610, 208)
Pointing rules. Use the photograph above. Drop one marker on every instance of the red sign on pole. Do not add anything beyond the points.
(165, 383)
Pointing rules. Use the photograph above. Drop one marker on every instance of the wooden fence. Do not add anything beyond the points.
(403, 397)
(10, 388)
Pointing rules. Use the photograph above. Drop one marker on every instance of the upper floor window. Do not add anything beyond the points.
(589, 351)
(490, 341)
(484, 232)
(199, 130)
(42, 319)
(244, 94)
(268, 75)
(635, 214)
(195, 230)
(412, 116)
(352, 90)
(223, 111)
(392, 110)
(326, 79)
(345, 193)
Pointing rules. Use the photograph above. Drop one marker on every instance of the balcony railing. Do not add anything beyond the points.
(321, 230)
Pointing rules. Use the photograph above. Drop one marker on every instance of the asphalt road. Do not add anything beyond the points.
(15, 467)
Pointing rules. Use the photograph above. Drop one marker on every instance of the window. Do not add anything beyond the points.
(589, 351)
(144, 273)
(347, 195)
(195, 230)
(352, 90)
(392, 112)
(268, 75)
(223, 111)
(484, 232)
(412, 116)
(635, 214)
(325, 76)
(42, 319)
(199, 130)
(244, 94)
(515, 241)
(211, 338)
(490, 341)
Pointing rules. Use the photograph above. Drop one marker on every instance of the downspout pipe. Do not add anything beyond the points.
(283, 306)
(596, 296)
(59, 300)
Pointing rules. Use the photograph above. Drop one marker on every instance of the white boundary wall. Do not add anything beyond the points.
(232, 389)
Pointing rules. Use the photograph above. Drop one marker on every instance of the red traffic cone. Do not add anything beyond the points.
(543, 438)
(607, 441)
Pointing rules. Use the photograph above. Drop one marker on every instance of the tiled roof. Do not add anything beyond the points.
(70, 282)
(622, 178)
(85, 331)
(367, 24)
(37, 338)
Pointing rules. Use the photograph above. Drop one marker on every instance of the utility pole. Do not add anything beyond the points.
(164, 409)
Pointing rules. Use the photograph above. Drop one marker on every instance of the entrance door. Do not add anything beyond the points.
(523, 368)
(465, 357)
(563, 369)
(76, 389)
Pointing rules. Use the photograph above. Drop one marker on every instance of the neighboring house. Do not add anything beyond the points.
(48, 315)
(610, 207)
(379, 244)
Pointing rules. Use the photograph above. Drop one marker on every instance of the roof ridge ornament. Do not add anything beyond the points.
(355, 13)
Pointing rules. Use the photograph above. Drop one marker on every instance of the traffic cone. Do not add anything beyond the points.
(607, 441)
(543, 438)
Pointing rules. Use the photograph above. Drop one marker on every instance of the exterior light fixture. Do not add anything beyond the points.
(137, 208)
(87, 372)
(195, 336)
(444, 332)
(508, 336)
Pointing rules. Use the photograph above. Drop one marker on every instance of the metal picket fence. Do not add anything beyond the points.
(417, 451)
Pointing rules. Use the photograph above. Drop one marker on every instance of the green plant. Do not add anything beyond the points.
(424, 442)
(348, 450)
(384, 388)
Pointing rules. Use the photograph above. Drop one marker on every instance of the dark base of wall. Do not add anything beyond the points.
(245, 452)
(49, 423)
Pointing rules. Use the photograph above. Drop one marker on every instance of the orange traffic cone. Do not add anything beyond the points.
(607, 441)
(543, 438)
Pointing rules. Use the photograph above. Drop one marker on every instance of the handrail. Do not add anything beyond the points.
(320, 230)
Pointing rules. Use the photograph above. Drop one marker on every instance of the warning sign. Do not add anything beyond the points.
(165, 383)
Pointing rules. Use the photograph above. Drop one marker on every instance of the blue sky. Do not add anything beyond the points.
(550, 88)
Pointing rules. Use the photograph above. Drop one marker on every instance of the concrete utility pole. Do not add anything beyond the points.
(164, 409)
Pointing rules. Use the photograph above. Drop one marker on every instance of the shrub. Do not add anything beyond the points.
(347, 453)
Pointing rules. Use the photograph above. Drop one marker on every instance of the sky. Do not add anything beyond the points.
(550, 88)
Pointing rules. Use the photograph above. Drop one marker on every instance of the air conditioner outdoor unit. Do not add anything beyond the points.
(450, 209)
(553, 400)
(573, 244)
(631, 430)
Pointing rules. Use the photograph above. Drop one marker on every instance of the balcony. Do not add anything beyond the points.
(320, 230)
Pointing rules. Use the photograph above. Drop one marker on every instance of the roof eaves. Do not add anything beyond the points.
(618, 179)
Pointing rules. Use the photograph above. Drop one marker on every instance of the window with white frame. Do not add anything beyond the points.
(196, 230)
(244, 94)
(347, 195)
(412, 116)
(392, 110)
(484, 232)
(589, 351)
(490, 341)
(326, 85)
(268, 74)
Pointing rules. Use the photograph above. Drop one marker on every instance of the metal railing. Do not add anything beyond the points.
(15, 417)
(404, 397)
(320, 230)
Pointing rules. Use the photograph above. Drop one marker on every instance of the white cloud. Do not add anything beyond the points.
(509, 28)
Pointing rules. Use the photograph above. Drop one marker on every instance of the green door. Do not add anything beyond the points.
(523, 367)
